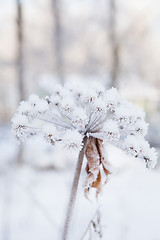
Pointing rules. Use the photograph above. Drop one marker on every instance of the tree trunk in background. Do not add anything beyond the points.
(114, 44)
(20, 67)
(58, 39)
(20, 70)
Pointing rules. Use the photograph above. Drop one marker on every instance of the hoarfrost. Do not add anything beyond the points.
(73, 112)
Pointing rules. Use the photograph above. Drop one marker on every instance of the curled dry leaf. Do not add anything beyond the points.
(95, 159)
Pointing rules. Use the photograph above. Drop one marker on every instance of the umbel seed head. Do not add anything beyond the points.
(77, 111)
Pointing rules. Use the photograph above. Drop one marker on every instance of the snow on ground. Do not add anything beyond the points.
(8, 146)
(33, 202)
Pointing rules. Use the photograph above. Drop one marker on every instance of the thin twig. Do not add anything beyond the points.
(84, 234)
(74, 191)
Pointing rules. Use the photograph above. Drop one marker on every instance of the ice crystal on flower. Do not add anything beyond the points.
(72, 139)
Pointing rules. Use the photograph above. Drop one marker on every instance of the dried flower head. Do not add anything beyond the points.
(77, 111)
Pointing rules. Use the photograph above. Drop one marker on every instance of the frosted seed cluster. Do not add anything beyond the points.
(75, 111)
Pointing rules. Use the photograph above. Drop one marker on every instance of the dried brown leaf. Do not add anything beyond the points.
(103, 160)
(95, 157)
(97, 184)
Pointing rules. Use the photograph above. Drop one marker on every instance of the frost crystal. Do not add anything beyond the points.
(76, 111)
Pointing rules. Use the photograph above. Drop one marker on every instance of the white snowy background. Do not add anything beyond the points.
(35, 193)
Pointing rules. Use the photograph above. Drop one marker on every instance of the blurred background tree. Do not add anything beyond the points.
(58, 39)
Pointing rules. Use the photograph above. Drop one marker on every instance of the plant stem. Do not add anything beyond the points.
(74, 191)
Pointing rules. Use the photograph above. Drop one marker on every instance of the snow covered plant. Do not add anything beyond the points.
(83, 119)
